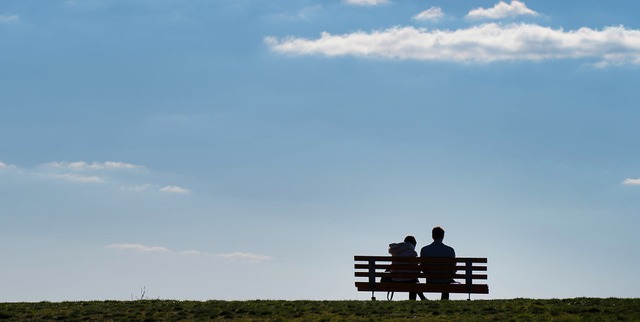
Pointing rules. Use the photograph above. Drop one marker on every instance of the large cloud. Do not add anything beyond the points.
(631, 182)
(483, 43)
(502, 10)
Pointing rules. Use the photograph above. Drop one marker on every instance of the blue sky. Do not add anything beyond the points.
(248, 149)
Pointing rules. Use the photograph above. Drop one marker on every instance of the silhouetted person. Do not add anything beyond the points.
(438, 249)
(406, 249)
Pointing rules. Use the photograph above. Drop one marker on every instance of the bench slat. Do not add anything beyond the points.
(419, 287)
(360, 258)
(425, 267)
(420, 275)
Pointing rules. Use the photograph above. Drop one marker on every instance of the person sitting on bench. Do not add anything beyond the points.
(438, 249)
(406, 249)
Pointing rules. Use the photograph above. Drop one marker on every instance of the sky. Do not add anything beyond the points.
(245, 149)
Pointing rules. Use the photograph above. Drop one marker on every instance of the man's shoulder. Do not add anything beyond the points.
(447, 247)
(424, 251)
(437, 250)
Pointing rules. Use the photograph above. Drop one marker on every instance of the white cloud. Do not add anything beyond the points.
(483, 43)
(152, 249)
(631, 182)
(138, 248)
(303, 14)
(81, 165)
(9, 18)
(9, 168)
(191, 252)
(140, 187)
(502, 10)
(148, 186)
(246, 257)
(433, 13)
(174, 189)
(85, 4)
(76, 178)
(5, 166)
(366, 2)
(95, 173)
(235, 257)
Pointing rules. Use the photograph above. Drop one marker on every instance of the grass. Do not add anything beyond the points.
(578, 309)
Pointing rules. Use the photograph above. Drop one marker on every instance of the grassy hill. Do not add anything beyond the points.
(578, 309)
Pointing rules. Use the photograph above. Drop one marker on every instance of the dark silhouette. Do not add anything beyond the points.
(406, 249)
(438, 249)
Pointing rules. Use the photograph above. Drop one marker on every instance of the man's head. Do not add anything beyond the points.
(410, 239)
(437, 233)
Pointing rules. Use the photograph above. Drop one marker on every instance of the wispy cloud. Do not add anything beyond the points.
(9, 18)
(502, 10)
(191, 252)
(72, 177)
(54, 169)
(234, 257)
(138, 187)
(81, 172)
(174, 189)
(82, 165)
(84, 4)
(365, 2)
(246, 257)
(136, 247)
(433, 13)
(139, 248)
(5, 166)
(302, 14)
(631, 182)
(147, 187)
(484, 43)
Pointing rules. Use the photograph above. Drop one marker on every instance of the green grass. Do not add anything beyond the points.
(578, 309)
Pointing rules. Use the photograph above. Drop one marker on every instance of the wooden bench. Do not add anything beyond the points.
(464, 270)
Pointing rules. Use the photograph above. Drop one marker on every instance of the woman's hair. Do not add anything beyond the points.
(410, 239)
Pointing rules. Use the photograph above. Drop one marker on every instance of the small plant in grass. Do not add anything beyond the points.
(143, 292)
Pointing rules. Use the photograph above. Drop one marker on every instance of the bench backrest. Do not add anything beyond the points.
(464, 270)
